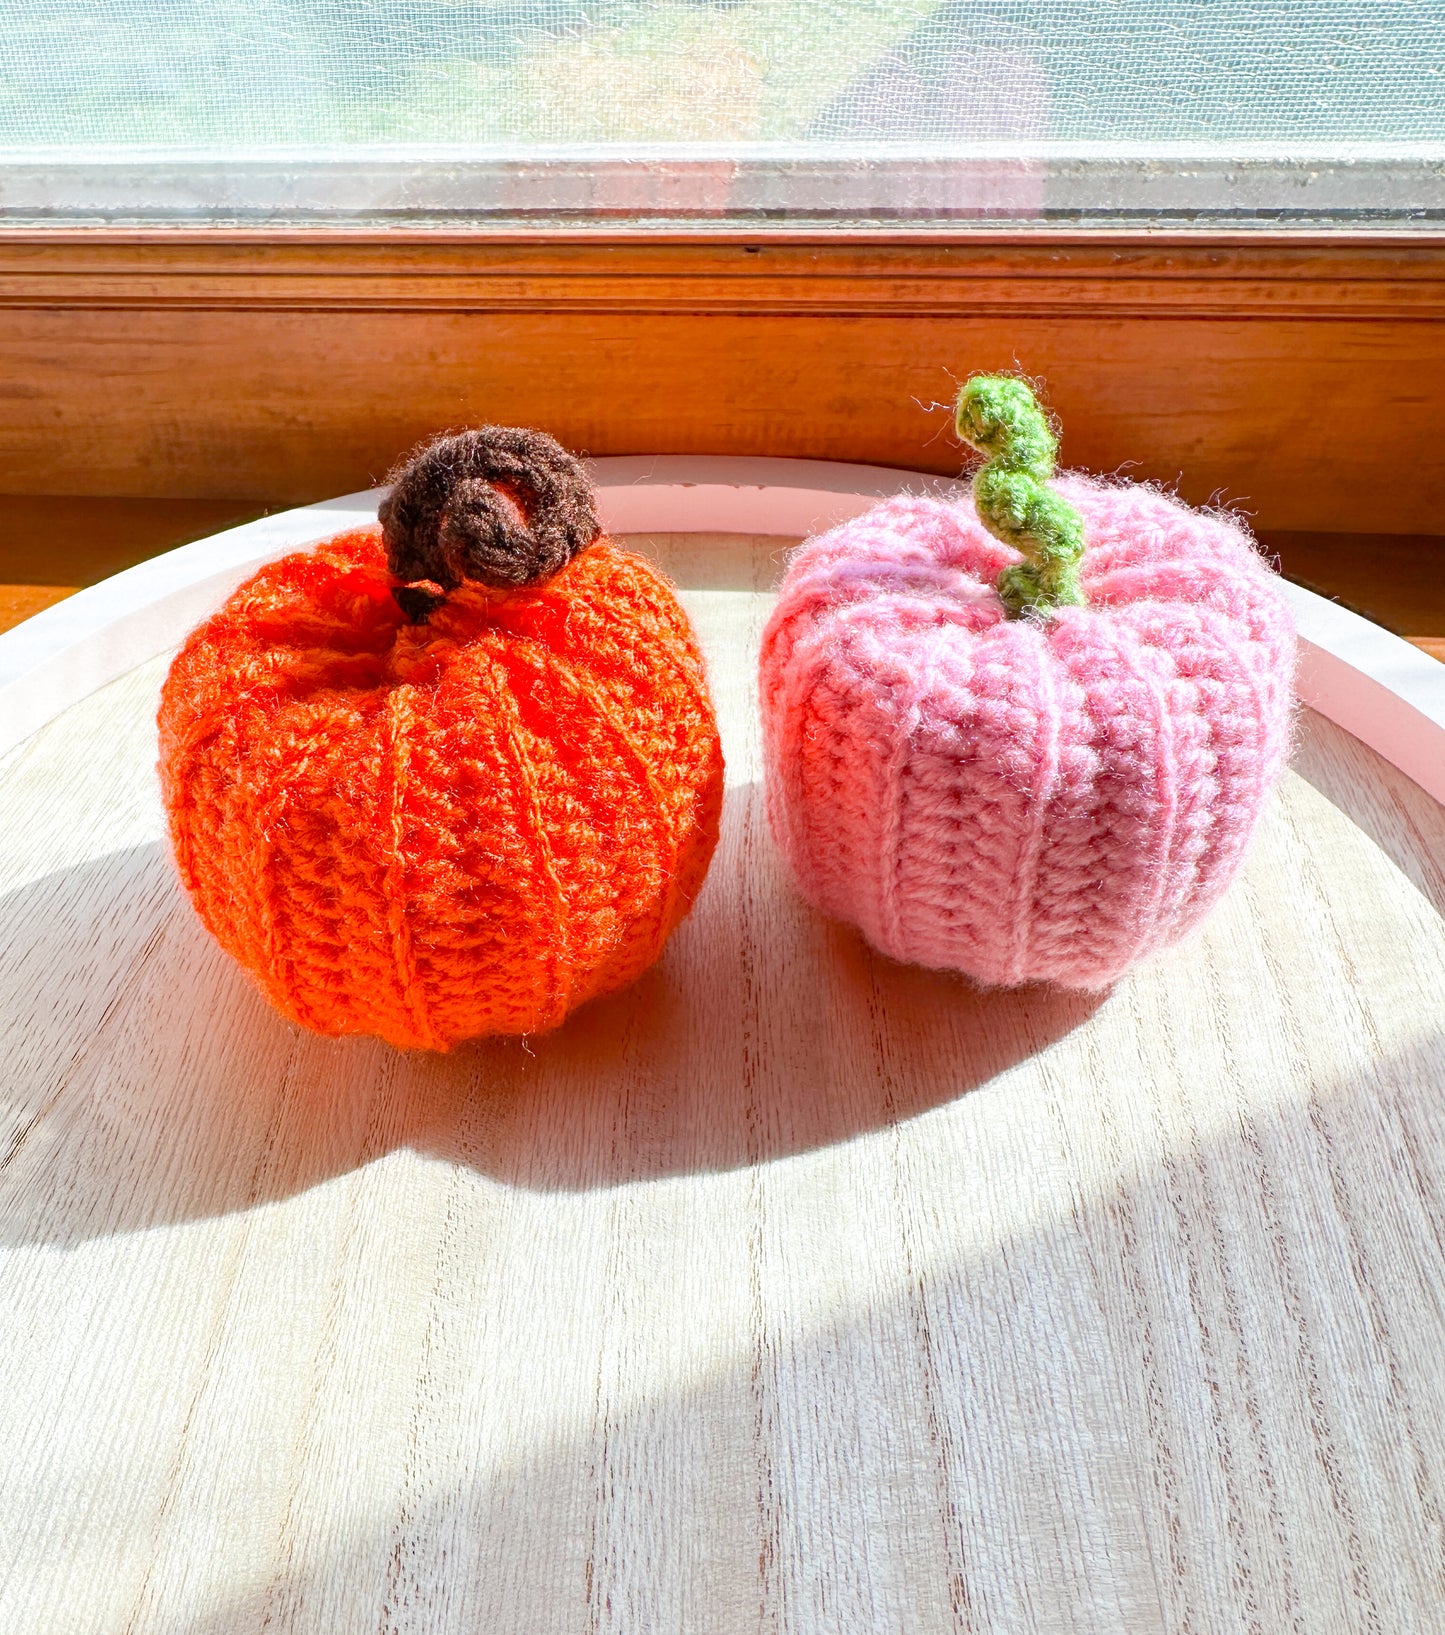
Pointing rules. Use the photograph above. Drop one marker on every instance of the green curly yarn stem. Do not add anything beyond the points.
(1001, 418)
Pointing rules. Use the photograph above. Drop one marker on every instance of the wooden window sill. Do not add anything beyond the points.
(1282, 373)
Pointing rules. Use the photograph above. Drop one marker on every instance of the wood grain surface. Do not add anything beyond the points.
(792, 1291)
(1292, 378)
(21, 602)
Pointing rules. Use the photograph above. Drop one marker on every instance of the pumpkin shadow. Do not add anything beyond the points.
(764, 1031)
(148, 1082)
(1025, 1384)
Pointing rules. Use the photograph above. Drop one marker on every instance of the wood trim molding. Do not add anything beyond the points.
(1282, 375)
(1029, 274)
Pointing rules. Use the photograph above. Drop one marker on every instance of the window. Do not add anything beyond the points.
(1098, 113)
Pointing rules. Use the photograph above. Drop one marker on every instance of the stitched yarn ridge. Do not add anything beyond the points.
(1168, 695)
(434, 831)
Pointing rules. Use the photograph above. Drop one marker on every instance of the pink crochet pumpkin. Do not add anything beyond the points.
(1026, 738)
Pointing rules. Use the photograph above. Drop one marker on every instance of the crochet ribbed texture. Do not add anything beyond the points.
(1030, 798)
(436, 830)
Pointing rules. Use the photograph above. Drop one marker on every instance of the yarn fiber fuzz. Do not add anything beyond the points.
(437, 830)
(1016, 798)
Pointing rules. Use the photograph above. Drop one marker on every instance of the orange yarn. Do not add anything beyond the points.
(433, 831)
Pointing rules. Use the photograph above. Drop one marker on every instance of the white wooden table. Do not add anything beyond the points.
(791, 1291)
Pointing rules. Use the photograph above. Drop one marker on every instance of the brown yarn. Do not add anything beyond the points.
(501, 505)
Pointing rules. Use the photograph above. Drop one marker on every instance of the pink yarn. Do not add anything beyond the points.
(1015, 799)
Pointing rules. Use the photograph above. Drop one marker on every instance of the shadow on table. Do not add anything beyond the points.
(148, 1082)
(1190, 1381)
(1105, 1414)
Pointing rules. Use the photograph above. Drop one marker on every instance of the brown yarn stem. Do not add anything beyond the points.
(501, 506)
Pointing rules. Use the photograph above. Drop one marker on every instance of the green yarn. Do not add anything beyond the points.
(1000, 417)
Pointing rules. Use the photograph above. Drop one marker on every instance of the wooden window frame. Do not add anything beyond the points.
(1295, 376)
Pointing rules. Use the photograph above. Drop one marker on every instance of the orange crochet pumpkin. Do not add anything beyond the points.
(451, 776)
